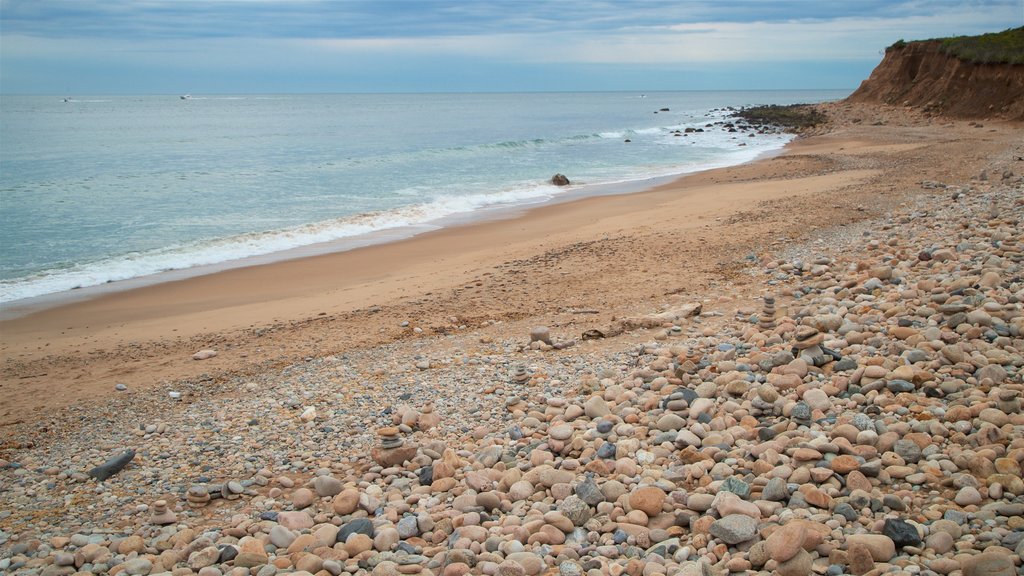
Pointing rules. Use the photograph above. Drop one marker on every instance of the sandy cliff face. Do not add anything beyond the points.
(919, 75)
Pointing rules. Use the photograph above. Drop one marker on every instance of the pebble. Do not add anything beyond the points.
(734, 528)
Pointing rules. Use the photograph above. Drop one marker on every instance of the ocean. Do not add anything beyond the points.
(97, 190)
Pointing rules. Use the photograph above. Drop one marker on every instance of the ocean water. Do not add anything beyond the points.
(96, 190)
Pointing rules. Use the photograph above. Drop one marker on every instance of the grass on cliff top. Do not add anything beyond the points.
(793, 117)
(1006, 47)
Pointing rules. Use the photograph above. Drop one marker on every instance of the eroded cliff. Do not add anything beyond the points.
(921, 75)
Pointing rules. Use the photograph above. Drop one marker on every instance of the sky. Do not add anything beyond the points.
(295, 46)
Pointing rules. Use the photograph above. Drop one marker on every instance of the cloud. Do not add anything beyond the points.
(182, 19)
(343, 42)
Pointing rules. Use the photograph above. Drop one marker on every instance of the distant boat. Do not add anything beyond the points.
(186, 97)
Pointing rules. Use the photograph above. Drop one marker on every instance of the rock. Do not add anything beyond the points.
(901, 533)
(542, 333)
(576, 510)
(386, 539)
(844, 464)
(968, 496)
(817, 399)
(786, 541)
(204, 354)
(161, 515)
(204, 558)
(250, 553)
(112, 466)
(281, 536)
(303, 498)
(736, 486)
(133, 543)
(988, 564)
(648, 498)
(881, 547)
(346, 502)
(588, 492)
(775, 490)
(357, 526)
(560, 180)
(295, 520)
(327, 486)
(940, 542)
(861, 560)
(799, 565)
(137, 566)
(595, 407)
(734, 528)
(520, 490)
(560, 432)
(393, 456)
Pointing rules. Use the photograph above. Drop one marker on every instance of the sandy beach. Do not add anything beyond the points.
(610, 255)
(805, 364)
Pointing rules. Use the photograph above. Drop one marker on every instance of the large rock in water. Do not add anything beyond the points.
(560, 180)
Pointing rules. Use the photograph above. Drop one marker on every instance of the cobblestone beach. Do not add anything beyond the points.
(855, 409)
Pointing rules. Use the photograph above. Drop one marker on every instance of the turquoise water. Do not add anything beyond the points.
(101, 189)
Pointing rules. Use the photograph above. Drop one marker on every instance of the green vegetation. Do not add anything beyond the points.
(1006, 47)
(793, 117)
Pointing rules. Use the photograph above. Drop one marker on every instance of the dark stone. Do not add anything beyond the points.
(605, 426)
(901, 533)
(897, 386)
(560, 180)
(893, 502)
(688, 395)
(955, 516)
(515, 432)
(845, 364)
(426, 475)
(589, 492)
(227, 553)
(406, 547)
(270, 515)
(765, 434)
(606, 450)
(736, 486)
(801, 411)
(112, 466)
(357, 526)
(846, 511)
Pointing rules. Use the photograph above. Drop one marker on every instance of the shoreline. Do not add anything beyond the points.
(584, 254)
(22, 307)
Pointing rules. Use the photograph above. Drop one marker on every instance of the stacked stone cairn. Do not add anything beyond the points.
(807, 344)
(161, 514)
(767, 319)
(392, 450)
(197, 496)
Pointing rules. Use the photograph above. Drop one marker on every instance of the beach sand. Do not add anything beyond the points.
(570, 265)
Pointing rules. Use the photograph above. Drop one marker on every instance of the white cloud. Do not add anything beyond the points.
(687, 43)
